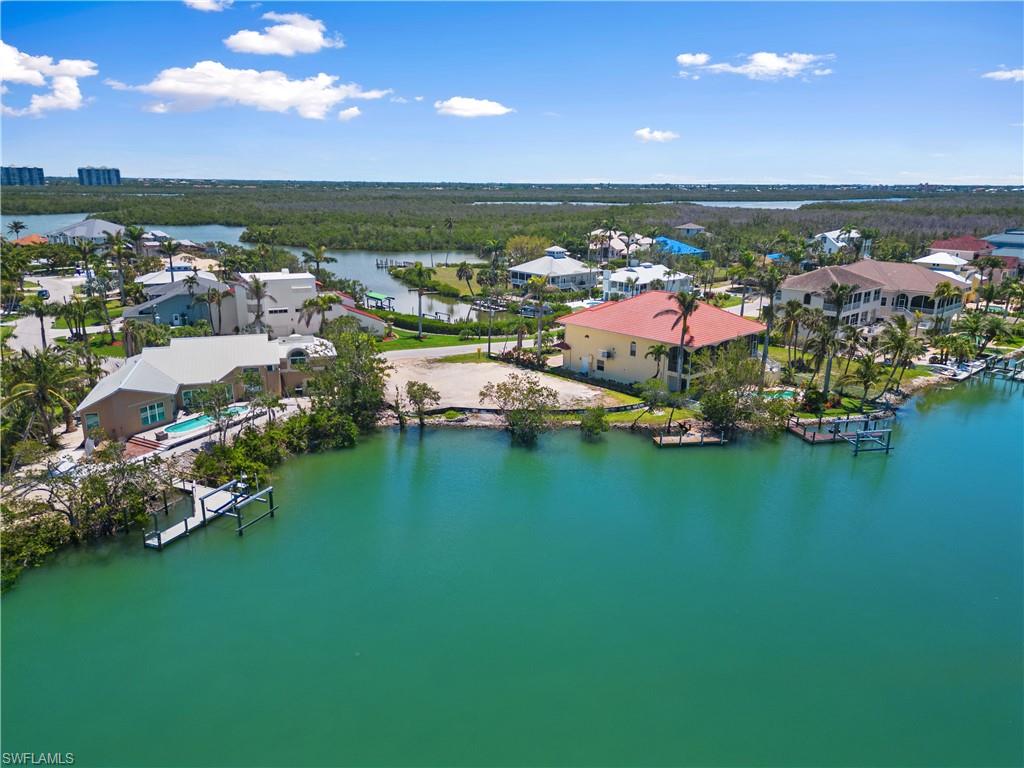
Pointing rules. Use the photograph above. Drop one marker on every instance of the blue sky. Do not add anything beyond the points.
(812, 93)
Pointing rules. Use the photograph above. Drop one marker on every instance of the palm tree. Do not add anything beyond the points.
(994, 327)
(169, 247)
(117, 249)
(896, 341)
(317, 255)
(257, 289)
(41, 309)
(191, 283)
(946, 293)
(420, 277)
(768, 281)
(823, 344)
(318, 305)
(135, 233)
(866, 374)
(212, 298)
(657, 284)
(46, 380)
(449, 224)
(464, 272)
(837, 294)
(792, 314)
(537, 286)
(16, 227)
(988, 293)
(685, 305)
(745, 266)
(657, 352)
(631, 285)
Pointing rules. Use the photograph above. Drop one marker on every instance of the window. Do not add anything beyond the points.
(186, 397)
(152, 413)
(297, 356)
(885, 300)
(878, 292)
(600, 364)
(632, 349)
(856, 298)
(278, 311)
(92, 421)
(807, 298)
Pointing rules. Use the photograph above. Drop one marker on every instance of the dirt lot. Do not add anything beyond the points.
(460, 383)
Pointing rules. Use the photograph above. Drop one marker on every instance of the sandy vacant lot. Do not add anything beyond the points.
(460, 383)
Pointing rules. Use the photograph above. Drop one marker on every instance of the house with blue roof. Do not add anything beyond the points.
(676, 248)
(1009, 243)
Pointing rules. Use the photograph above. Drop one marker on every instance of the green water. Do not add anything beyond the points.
(449, 601)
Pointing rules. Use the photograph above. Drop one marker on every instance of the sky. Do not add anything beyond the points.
(820, 93)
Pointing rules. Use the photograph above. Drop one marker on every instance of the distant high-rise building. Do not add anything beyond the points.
(99, 177)
(20, 176)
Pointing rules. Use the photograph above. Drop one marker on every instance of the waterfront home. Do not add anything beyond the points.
(91, 230)
(612, 340)
(152, 387)
(836, 240)
(285, 292)
(632, 281)
(346, 307)
(689, 230)
(966, 247)
(32, 239)
(607, 244)
(175, 303)
(883, 289)
(558, 268)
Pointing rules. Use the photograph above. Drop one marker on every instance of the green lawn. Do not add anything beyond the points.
(446, 275)
(99, 344)
(93, 319)
(467, 357)
(6, 331)
(408, 340)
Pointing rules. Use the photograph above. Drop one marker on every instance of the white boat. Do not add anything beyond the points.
(948, 371)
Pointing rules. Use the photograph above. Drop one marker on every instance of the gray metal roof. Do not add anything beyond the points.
(89, 229)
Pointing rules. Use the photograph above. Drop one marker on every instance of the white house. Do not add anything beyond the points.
(558, 268)
(284, 294)
(881, 289)
(689, 230)
(92, 230)
(836, 240)
(632, 281)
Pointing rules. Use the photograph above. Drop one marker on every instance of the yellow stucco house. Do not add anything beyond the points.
(612, 340)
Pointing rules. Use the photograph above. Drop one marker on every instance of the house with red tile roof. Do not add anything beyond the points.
(965, 246)
(611, 341)
(31, 240)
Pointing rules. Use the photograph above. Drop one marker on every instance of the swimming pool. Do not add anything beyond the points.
(785, 394)
(200, 421)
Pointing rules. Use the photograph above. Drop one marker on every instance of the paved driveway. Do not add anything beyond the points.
(26, 329)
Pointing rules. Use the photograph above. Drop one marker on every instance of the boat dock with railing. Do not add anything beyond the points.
(208, 504)
(865, 433)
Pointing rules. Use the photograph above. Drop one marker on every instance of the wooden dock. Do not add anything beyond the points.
(690, 438)
(864, 433)
(207, 505)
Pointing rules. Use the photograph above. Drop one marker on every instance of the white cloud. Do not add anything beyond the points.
(398, 100)
(294, 33)
(417, 98)
(692, 59)
(1005, 74)
(210, 84)
(647, 135)
(758, 66)
(348, 114)
(209, 5)
(463, 106)
(39, 72)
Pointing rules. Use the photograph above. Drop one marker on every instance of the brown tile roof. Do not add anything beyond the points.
(819, 280)
(639, 317)
(891, 275)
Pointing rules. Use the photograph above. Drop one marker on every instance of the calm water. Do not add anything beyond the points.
(451, 601)
(358, 265)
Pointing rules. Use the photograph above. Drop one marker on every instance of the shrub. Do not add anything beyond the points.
(593, 422)
(451, 415)
(813, 401)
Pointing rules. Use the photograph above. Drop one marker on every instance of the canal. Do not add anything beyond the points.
(447, 600)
